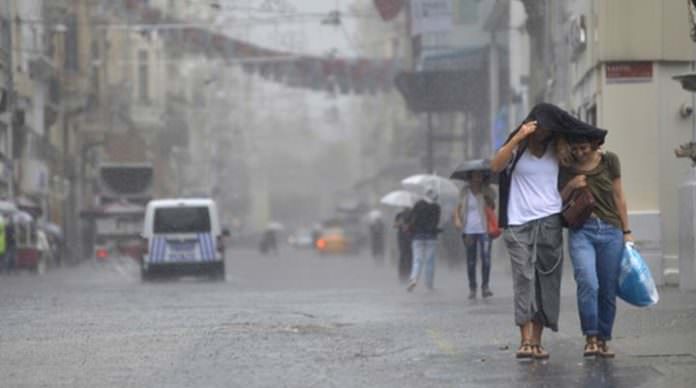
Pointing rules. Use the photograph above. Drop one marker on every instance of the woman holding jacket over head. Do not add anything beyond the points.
(530, 207)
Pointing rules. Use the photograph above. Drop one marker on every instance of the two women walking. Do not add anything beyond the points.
(542, 162)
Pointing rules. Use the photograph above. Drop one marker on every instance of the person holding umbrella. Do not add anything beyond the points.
(470, 219)
(404, 201)
(530, 207)
(425, 218)
(403, 236)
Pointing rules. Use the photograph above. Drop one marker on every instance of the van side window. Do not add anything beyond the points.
(182, 220)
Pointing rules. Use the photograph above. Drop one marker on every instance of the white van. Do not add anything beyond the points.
(182, 236)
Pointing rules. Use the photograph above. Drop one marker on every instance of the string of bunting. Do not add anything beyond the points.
(347, 75)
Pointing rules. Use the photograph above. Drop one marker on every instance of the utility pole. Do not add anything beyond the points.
(9, 151)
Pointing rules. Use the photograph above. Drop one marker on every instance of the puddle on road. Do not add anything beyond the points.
(470, 369)
(282, 328)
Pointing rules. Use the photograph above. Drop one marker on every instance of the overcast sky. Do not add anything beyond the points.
(305, 37)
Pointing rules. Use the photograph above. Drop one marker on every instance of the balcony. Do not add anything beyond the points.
(147, 117)
(41, 69)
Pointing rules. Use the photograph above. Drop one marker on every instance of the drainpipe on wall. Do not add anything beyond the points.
(9, 151)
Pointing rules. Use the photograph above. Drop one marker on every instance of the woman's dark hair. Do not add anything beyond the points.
(575, 138)
(485, 176)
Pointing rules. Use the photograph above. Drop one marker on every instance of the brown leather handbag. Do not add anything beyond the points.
(578, 208)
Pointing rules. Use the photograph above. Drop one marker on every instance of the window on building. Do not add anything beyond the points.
(591, 115)
(4, 43)
(95, 73)
(466, 11)
(71, 48)
(143, 77)
(435, 39)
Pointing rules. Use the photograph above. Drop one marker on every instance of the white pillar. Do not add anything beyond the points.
(494, 85)
(687, 238)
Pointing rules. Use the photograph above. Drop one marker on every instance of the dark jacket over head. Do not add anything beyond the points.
(555, 119)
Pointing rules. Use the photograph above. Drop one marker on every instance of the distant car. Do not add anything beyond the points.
(102, 250)
(183, 236)
(301, 238)
(333, 240)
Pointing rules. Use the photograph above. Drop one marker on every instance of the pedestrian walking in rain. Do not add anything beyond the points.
(470, 219)
(268, 243)
(377, 236)
(3, 244)
(596, 246)
(10, 245)
(530, 206)
(404, 240)
(425, 218)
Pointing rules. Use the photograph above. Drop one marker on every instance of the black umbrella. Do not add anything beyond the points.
(463, 170)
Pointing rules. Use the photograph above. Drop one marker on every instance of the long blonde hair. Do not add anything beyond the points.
(563, 154)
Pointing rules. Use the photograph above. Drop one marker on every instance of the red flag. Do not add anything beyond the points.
(388, 9)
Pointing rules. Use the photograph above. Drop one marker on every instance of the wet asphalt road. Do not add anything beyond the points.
(298, 320)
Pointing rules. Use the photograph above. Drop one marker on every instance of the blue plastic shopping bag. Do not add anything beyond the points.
(636, 285)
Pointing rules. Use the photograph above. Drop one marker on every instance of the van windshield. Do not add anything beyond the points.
(182, 220)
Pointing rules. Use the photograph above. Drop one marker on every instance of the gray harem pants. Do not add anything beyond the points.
(536, 254)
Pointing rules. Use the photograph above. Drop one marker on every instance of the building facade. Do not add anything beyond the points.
(612, 66)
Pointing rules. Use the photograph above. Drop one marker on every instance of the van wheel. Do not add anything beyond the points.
(144, 275)
(219, 273)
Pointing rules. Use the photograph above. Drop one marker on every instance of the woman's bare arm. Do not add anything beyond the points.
(620, 201)
(575, 183)
(504, 153)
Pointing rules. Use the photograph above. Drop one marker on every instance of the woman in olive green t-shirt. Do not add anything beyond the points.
(596, 247)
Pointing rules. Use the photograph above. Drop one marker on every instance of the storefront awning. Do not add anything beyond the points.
(442, 91)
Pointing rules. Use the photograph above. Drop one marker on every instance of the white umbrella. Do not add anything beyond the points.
(274, 225)
(399, 198)
(447, 191)
(8, 207)
(374, 215)
(22, 217)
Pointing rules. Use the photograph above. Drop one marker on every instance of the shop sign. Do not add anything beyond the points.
(629, 72)
(429, 16)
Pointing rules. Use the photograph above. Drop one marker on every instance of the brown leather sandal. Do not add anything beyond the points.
(591, 347)
(525, 350)
(603, 350)
(539, 353)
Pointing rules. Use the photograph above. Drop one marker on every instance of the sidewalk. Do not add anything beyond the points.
(655, 346)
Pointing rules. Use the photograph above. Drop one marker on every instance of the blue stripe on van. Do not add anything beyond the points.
(158, 249)
(207, 247)
(163, 249)
(153, 249)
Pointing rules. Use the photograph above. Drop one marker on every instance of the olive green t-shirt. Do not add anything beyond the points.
(600, 182)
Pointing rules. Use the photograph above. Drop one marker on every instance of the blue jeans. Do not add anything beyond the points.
(424, 252)
(595, 250)
(10, 258)
(478, 243)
